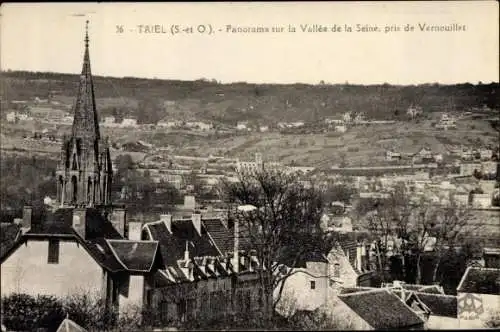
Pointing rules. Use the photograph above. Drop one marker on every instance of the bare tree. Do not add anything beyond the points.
(282, 226)
(454, 222)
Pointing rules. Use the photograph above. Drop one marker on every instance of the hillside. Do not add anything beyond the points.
(150, 100)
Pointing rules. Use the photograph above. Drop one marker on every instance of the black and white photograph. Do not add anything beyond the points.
(249, 166)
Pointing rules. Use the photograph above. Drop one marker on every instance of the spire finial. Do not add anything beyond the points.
(87, 33)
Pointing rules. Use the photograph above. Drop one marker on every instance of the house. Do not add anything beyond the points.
(424, 155)
(378, 309)
(486, 154)
(307, 286)
(340, 128)
(11, 116)
(128, 122)
(334, 121)
(168, 124)
(414, 111)
(43, 257)
(243, 125)
(208, 268)
(391, 155)
(85, 243)
(468, 168)
(263, 129)
(478, 293)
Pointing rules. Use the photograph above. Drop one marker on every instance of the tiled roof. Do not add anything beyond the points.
(439, 304)
(480, 281)
(201, 245)
(172, 246)
(381, 309)
(9, 234)
(134, 255)
(222, 236)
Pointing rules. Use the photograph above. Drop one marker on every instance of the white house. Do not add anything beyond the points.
(129, 122)
(242, 125)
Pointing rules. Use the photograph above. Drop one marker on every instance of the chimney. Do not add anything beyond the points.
(118, 217)
(196, 219)
(167, 220)
(236, 258)
(27, 218)
(134, 230)
(79, 221)
(186, 253)
(359, 253)
(189, 202)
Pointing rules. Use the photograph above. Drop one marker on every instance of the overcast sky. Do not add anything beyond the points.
(49, 37)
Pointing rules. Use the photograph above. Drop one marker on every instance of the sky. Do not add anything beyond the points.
(49, 37)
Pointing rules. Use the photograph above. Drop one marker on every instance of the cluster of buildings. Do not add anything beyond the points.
(200, 263)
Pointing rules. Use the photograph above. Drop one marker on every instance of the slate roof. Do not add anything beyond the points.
(172, 246)
(201, 245)
(381, 309)
(480, 281)
(9, 233)
(134, 255)
(60, 222)
(439, 304)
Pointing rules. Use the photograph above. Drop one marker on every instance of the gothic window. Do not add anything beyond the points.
(74, 164)
(89, 191)
(53, 257)
(75, 189)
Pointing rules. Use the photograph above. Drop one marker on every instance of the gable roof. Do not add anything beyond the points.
(135, 256)
(480, 281)
(381, 309)
(439, 304)
(68, 325)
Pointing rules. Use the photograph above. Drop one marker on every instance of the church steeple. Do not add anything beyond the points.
(86, 123)
(84, 174)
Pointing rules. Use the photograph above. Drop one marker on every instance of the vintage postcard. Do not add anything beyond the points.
(249, 165)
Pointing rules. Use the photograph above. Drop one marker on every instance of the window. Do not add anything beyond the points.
(53, 252)
(313, 284)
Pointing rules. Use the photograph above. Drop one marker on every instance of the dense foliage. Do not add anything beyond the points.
(229, 103)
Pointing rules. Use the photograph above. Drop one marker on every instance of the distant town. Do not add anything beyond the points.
(352, 220)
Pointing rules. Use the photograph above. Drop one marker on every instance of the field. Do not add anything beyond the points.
(359, 146)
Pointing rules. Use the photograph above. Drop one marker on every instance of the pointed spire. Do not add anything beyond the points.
(85, 123)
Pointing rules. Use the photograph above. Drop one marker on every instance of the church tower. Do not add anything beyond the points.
(84, 173)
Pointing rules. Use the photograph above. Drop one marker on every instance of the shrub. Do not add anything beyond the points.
(21, 312)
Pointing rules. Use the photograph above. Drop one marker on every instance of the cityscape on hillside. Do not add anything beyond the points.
(200, 205)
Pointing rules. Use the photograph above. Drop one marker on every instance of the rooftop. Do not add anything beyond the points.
(381, 309)
(480, 280)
